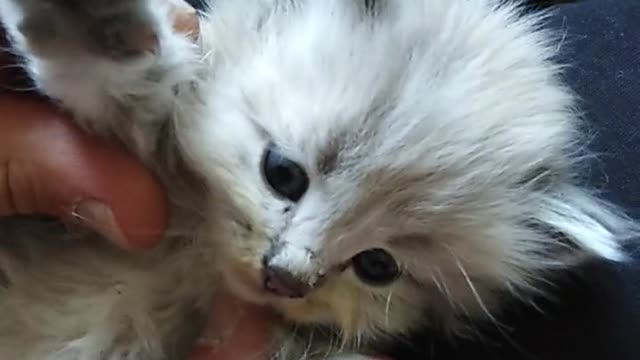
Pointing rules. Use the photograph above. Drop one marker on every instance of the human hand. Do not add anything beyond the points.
(48, 166)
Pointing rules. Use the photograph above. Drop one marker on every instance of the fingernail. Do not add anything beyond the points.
(98, 217)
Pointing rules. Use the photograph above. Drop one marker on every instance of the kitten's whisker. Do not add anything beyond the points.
(447, 292)
(19, 89)
(329, 348)
(14, 66)
(80, 218)
(13, 51)
(387, 308)
(359, 340)
(499, 326)
(291, 339)
(343, 343)
(307, 350)
(536, 307)
(207, 55)
(436, 282)
(474, 291)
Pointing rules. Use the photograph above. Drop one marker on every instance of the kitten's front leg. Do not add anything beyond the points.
(116, 64)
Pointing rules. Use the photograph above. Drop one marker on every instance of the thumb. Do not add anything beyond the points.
(48, 166)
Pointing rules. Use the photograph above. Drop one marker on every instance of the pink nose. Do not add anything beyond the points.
(281, 282)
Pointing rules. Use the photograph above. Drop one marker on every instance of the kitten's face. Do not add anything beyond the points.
(380, 175)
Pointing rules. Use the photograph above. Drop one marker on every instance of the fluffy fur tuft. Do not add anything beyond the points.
(438, 130)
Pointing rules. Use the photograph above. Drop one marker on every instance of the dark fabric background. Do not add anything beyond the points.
(596, 314)
(603, 48)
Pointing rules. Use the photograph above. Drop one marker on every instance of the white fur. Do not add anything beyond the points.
(443, 113)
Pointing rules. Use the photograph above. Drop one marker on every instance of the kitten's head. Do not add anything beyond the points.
(383, 169)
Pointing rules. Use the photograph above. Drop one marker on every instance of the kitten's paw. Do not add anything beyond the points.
(116, 29)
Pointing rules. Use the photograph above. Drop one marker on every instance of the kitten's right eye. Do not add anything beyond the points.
(375, 267)
(284, 176)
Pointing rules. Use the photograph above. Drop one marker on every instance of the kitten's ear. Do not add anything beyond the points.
(586, 223)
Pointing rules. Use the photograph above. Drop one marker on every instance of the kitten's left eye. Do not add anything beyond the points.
(284, 176)
(375, 267)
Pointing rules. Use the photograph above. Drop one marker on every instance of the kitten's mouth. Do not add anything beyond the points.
(247, 282)
(250, 284)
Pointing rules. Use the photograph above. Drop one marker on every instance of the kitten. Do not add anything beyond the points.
(363, 169)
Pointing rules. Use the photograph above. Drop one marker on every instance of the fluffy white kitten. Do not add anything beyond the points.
(363, 170)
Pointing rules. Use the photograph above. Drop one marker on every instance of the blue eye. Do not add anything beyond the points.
(375, 267)
(284, 177)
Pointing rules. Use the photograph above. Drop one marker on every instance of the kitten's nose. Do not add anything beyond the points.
(283, 283)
